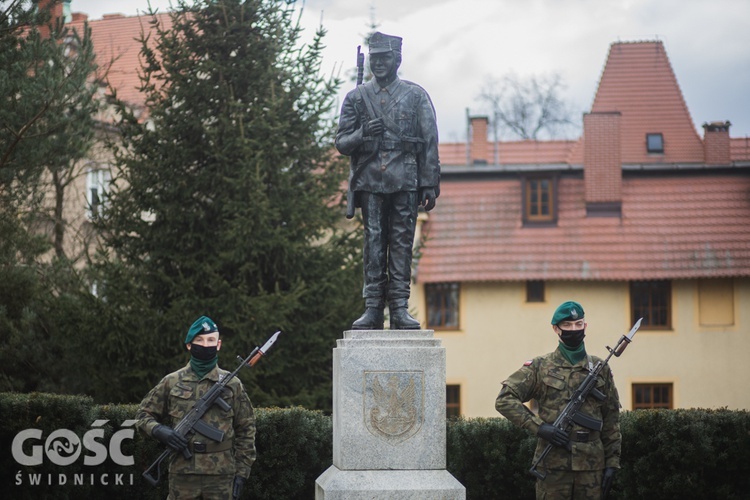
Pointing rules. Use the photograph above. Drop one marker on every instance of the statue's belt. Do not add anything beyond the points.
(406, 144)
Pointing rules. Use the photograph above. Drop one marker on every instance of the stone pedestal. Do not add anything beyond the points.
(388, 419)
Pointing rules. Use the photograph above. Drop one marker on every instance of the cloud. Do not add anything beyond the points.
(451, 45)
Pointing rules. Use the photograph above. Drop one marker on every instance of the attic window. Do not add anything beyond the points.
(539, 200)
(654, 143)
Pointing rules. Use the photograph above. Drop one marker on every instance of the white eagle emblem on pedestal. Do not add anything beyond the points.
(394, 411)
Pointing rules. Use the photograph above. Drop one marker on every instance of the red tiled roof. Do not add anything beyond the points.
(452, 153)
(671, 227)
(511, 152)
(739, 149)
(115, 39)
(683, 223)
(638, 82)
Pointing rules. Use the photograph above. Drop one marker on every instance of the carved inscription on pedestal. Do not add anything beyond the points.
(393, 404)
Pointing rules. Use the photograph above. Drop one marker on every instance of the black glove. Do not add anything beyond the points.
(170, 437)
(239, 483)
(427, 198)
(554, 435)
(607, 479)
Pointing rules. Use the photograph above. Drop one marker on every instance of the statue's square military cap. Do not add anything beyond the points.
(380, 42)
(567, 311)
(201, 326)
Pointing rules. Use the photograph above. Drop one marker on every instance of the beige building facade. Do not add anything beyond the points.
(702, 357)
(640, 217)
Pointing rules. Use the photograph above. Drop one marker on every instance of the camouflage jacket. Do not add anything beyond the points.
(176, 394)
(550, 380)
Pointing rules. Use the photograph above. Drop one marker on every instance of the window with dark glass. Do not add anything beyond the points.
(442, 305)
(539, 199)
(97, 184)
(654, 143)
(652, 396)
(535, 291)
(651, 300)
(452, 401)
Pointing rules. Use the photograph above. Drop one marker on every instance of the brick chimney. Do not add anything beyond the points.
(59, 14)
(479, 146)
(716, 143)
(602, 164)
(58, 9)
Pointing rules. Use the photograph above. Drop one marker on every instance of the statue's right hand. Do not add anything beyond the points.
(374, 127)
(170, 437)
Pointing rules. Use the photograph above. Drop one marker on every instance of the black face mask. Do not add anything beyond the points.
(203, 353)
(572, 338)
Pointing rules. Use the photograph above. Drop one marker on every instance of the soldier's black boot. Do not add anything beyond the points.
(402, 320)
(372, 319)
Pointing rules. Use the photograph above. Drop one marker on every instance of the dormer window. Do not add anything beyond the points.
(539, 200)
(654, 143)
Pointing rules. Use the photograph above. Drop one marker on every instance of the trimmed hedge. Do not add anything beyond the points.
(490, 457)
(294, 447)
(667, 454)
(684, 454)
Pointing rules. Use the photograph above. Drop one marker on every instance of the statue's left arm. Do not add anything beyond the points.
(428, 161)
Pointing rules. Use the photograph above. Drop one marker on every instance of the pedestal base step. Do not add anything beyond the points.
(336, 484)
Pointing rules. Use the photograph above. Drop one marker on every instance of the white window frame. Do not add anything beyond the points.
(97, 185)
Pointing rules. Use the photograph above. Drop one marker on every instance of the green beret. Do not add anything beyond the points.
(568, 311)
(202, 325)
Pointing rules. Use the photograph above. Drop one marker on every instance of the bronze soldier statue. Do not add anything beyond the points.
(389, 129)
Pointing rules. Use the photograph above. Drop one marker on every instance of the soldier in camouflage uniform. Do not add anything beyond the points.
(215, 470)
(582, 462)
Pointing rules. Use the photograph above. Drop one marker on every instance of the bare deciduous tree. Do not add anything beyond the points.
(528, 108)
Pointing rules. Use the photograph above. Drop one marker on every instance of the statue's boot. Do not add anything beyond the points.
(402, 320)
(372, 319)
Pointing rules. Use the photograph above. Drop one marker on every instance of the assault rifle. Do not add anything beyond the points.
(349, 193)
(192, 422)
(360, 65)
(571, 413)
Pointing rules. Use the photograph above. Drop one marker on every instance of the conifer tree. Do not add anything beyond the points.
(227, 203)
(47, 105)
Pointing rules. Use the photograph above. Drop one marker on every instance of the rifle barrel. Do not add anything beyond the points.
(360, 65)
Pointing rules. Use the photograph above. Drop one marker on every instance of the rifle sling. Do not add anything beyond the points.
(387, 121)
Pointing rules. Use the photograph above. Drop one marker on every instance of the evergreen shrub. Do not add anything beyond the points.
(667, 454)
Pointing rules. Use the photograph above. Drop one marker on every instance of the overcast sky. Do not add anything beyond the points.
(451, 46)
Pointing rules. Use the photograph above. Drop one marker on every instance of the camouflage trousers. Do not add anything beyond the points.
(568, 485)
(200, 486)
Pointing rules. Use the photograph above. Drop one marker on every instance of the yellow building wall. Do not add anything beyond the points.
(499, 330)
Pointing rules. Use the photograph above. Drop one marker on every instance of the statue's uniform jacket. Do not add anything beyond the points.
(176, 394)
(551, 380)
(400, 160)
